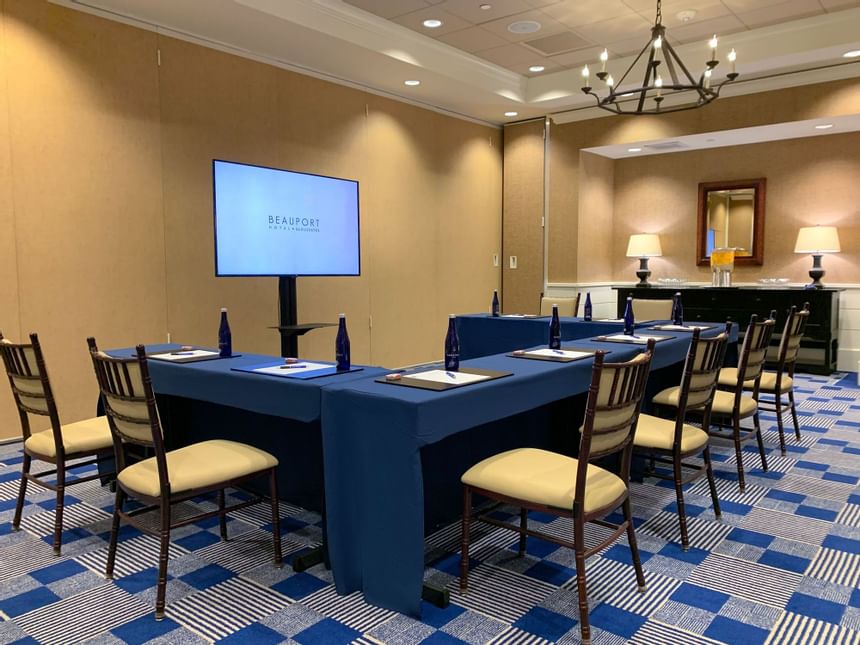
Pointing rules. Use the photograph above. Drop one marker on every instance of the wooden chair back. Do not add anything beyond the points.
(566, 306)
(31, 389)
(129, 402)
(614, 399)
(789, 344)
(752, 355)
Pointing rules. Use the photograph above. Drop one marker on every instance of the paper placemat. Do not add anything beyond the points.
(638, 339)
(301, 370)
(188, 355)
(440, 379)
(681, 327)
(564, 355)
(522, 316)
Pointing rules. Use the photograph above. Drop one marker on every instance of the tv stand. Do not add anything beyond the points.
(288, 325)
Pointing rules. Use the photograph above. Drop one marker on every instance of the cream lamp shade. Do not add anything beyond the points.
(816, 239)
(644, 245)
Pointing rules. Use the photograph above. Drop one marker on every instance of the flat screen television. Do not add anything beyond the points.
(272, 222)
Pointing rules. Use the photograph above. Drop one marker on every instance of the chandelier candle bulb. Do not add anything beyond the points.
(658, 43)
(610, 81)
(707, 79)
(659, 85)
(732, 58)
(713, 44)
(604, 56)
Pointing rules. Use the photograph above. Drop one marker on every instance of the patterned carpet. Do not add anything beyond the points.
(783, 565)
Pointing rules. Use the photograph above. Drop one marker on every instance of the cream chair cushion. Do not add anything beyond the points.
(88, 435)
(654, 432)
(197, 466)
(646, 309)
(729, 377)
(723, 401)
(566, 306)
(544, 477)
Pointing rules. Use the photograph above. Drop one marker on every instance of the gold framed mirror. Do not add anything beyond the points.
(731, 215)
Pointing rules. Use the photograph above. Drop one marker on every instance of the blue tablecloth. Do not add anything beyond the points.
(484, 335)
(372, 435)
(215, 381)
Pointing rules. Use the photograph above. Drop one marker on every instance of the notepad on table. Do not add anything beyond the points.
(562, 353)
(638, 339)
(184, 355)
(302, 369)
(682, 327)
(454, 378)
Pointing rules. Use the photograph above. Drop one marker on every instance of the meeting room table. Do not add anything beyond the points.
(374, 434)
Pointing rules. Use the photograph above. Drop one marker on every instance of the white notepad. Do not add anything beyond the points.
(183, 355)
(683, 327)
(454, 378)
(612, 320)
(279, 370)
(560, 353)
(641, 339)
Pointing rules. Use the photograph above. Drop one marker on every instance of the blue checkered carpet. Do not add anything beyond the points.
(782, 566)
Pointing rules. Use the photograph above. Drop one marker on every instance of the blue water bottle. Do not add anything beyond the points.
(225, 338)
(452, 346)
(341, 345)
(495, 308)
(629, 322)
(586, 311)
(677, 310)
(555, 329)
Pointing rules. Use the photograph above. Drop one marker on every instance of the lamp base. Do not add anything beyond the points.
(816, 273)
(643, 273)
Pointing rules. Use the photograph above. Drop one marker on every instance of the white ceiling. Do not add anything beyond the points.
(474, 67)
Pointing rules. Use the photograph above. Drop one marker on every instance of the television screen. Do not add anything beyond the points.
(271, 222)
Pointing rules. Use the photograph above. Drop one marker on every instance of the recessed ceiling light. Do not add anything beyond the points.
(432, 23)
(511, 113)
(854, 53)
(524, 27)
(686, 15)
(486, 7)
(537, 68)
(634, 149)
(412, 83)
(824, 126)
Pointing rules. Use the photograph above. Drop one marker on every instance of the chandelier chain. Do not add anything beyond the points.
(659, 20)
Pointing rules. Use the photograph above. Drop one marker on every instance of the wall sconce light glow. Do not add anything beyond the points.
(432, 23)
(854, 53)
(634, 149)
(824, 126)
(412, 83)
(511, 113)
(537, 68)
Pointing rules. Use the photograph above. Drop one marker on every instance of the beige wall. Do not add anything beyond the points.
(577, 248)
(809, 181)
(105, 192)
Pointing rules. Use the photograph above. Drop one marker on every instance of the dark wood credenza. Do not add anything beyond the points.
(820, 345)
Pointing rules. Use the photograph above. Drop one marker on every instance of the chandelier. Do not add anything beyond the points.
(648, 97)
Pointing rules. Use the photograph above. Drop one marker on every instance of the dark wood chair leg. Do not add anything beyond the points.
(22, 492)
(679, 497)
(709, 471)
(524, 524)
(736, 432)
(58, 512)
(119, 499)
(581, 587)
(794, 413)
(163, 555)
(222, 516)
(777, 400)
(276, 518)
(634, 545)
(464, 539)
(760, 442)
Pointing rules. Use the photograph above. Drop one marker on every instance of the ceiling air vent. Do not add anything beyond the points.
(666, 145)
(557, 43)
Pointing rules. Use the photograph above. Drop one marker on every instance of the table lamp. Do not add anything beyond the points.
(644, 246)
(817, 240)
